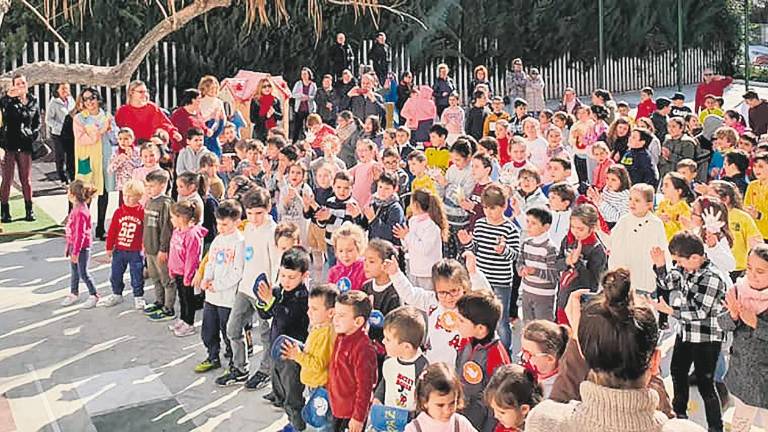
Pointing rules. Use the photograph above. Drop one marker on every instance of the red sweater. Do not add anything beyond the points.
(352, 375)
(144, 121)
(600, 173)
(714, 87)
(645, 108)
(325, 130)
(126, 229)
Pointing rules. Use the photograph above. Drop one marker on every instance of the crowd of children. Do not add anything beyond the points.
(385, 279)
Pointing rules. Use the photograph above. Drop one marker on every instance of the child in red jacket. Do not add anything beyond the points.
(124, 246)
(480, 354)
(352, 372)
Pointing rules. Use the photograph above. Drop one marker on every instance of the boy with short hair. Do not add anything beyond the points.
(724, 140)
(390, 159)
(338, 209)
(315, 357)
(260, 257)
(228, 138)
(678, 106)
(537, 267)
(497, 113)
(701, 286)
(286, 304)
(403, 141)
(189, 157)
(527, 195)
(476, 115)
(417, 164)
(438, 155)
(352, 371)
(559, 170)
(385, 211)
(495, 241)
(223, 272)
(710, 108)
(404, 332)
(688, 168)
(756, 197)
(562, 196)
(157, 243)
(480, 354)
(521, 113)
(126, 231)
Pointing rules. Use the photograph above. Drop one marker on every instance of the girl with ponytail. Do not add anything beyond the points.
(511, 393)
(542, 345)
(189, 186)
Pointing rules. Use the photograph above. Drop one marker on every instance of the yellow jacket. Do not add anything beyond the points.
(316, 356)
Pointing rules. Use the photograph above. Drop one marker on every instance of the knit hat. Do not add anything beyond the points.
(678, 96)
(277, 346)
(388, 419)
(317, 411)
(663, 102)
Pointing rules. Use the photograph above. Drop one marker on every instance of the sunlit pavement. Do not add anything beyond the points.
(103, 369)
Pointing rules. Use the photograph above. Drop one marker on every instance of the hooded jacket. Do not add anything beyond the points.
(186, 251)
(352, 376)
(419, 108)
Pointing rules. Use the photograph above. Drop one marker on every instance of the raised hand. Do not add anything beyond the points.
(400, 231)
(658, 257)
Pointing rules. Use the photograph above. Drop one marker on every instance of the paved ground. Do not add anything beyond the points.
(69, 369)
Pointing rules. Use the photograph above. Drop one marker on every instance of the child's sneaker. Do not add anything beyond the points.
(91, 302)
(161, 315)
(69, 300)
(207, 365)
(233, 376)
(139, 303)
(258, 381)
(184, 330)
(110, 300)
(150, 309)
(175, 325)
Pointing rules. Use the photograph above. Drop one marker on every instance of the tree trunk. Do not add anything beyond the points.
(5, 6)
(110, 76)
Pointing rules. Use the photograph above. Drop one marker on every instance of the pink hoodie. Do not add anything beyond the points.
(78, 229)
(419, 108)
(185, 252)
(354, 272)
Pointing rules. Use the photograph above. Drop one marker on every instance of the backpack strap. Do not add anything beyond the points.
(418, 426)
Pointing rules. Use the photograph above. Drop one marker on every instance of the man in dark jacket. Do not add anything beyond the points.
(20, 115)
(476, 115)
(364, 101)
(443, 88)
(758, 113)
(660, 117)
(341, 56)
(381, 56)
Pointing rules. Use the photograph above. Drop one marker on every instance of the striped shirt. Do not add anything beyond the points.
(614, 204)
(497, 267)
(540, 254)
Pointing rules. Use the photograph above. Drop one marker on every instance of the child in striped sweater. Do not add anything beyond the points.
(537, 266)
(495, 241)
(613, 200)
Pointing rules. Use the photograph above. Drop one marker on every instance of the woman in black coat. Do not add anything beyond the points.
(265, 110)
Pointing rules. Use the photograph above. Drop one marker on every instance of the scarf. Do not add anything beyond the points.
(520, 164)
(589, 241)
(265, 103)
(754, 300)
(345, 132)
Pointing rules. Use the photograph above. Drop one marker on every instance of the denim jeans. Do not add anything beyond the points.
(504, 293)
(79, 271)
(242, 314)
(133, 260)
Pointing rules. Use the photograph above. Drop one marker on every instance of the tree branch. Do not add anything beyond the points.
(379, 6)
(45, 22)
(112, 76)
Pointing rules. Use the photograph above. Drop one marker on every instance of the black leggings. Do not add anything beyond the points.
(703, 356)
(187, 300)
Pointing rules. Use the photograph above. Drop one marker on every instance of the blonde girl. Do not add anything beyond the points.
(439, 396)
(424, 236)
(349, 242)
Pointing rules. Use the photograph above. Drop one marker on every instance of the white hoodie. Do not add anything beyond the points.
(259, 255)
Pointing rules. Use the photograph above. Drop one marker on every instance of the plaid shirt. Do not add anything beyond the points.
(703, 293)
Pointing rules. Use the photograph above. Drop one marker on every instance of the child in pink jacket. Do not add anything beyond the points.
(348, 245)
(419, 107)
(183, 260)
(78, 249)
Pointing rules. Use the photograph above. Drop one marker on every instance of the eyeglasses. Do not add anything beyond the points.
(526, 355)
(141, 91)
(451, 293)
(89, 98)
(266, 87)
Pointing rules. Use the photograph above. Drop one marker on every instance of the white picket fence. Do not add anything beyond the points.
(158, 69)
(621, 75)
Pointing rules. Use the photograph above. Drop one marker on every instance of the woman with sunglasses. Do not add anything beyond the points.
(20, 119)
(142, 116)
(265, 110)
(95, 135)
